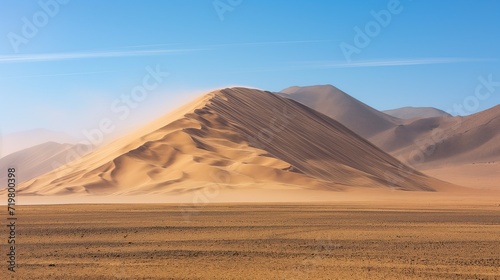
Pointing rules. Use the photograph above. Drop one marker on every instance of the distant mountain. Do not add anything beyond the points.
(235, 139)
(408, 113)
(329, 100)
(445, 140)
(40, 159)
(13, 142)
(410, 132)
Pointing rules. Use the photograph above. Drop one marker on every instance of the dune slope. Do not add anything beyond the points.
(230, 139)
(427, 139)
(40, 159)
(444, 141)
(338, 105)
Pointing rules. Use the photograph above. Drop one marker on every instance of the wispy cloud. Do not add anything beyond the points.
(311, 65)
(84, 55)
(386, 63)
(123, 52)
(242, 44)
(56, 75)
(272, 43)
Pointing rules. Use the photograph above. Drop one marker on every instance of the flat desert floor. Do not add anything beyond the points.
(258, 241)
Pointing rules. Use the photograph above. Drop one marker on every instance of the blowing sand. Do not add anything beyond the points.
(484, 175)
(259, 241)
(257, 193)
(236, 138)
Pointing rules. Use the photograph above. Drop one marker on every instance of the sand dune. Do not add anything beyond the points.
(40, 159)
(441, 138)
(338, 105)
(435, 142)
(427, 139)
(408, 113)
(18, 141)
(234, 139)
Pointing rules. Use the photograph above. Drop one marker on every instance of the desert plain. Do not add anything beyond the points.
(343, 240)
(248, 184)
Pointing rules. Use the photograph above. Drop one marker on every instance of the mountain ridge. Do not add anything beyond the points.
(408, 112)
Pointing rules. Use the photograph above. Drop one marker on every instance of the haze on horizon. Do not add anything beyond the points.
(67, 65)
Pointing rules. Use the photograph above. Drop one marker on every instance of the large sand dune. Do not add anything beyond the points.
(427, 139)
(338, 105)
(233, 139)
(442, 141)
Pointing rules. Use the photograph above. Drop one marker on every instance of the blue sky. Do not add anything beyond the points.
(63, 64)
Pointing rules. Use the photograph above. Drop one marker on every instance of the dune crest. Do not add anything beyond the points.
(234, 138)
(338, 105)
(408, 113)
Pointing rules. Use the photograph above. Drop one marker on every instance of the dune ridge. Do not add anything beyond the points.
(426, 139)
(338, 105)
(444, 141)
(230, 139)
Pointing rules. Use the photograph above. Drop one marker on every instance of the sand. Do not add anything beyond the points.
(338, 105)
(259, 241)
(444, 141)
(234, 138)
(245, 184)
(459, 150)
(408, 113)
(481, 176)
(40, 159)
(429, 139)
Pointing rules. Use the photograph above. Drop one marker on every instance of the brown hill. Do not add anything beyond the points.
(408, 113)
(441, 139)
(445, 140)
(233, 139)
(40, 159)
(338, 105)
(18, 141)
(443, 146)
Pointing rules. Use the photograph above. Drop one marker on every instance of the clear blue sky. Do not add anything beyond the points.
(62, 65)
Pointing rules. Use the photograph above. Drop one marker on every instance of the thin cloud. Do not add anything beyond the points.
(131, 53)
(270, 43)
(386, 63)
(57, 75)
(308, 65)
(84, 55)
